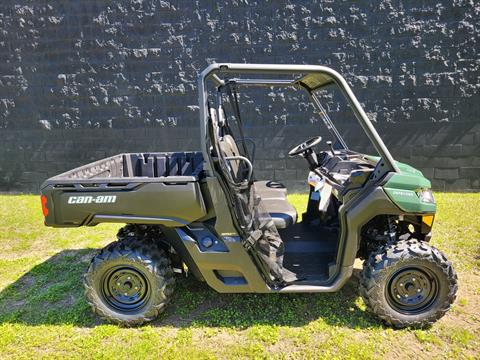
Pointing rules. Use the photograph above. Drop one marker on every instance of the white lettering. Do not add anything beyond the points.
(100, 199)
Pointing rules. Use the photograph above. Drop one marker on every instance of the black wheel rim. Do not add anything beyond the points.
(125, 288)
(412, 290)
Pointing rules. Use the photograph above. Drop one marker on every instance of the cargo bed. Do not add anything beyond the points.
(156, 188)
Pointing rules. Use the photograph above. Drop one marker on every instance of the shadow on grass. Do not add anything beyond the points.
(52, 293)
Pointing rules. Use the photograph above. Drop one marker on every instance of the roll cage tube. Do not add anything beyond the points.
(324, 73)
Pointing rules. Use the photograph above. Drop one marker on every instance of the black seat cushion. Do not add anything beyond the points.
(281, 211)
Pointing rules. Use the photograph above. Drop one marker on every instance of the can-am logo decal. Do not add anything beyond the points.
(100, 199)
(403, 193)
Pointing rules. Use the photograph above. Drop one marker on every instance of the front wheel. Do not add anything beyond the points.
(129, 282)
(408, 284)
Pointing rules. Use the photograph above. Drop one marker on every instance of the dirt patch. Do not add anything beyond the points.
(467, 306)
(67, 302)
(184, 321)
(26, 282)
(16, 304)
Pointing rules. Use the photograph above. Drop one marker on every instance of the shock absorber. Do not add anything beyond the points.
(392, 228)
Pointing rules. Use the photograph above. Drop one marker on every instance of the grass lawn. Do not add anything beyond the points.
(43, 313)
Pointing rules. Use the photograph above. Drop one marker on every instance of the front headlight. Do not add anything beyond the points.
(426, 196)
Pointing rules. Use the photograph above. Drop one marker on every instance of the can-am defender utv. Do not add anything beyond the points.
(205, 212)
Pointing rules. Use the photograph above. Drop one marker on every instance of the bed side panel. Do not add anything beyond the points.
(169, 204)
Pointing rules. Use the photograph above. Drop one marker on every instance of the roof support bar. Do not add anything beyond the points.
(263, 82)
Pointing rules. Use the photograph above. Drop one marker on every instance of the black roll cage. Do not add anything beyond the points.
(311, 79)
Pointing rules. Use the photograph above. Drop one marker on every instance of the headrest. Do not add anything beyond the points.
(213, 117)
(221, 116)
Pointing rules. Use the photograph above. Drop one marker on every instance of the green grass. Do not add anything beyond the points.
(43, 313)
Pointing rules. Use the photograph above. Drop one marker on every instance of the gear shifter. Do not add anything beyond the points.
(329, 143)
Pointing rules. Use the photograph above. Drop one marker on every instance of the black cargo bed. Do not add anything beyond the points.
(168, 166)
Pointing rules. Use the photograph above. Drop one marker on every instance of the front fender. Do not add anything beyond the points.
(357, 213)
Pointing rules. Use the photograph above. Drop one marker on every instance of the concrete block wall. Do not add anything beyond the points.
(80, 80)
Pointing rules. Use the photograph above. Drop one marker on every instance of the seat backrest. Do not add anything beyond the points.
(227, 144)
(229, 148)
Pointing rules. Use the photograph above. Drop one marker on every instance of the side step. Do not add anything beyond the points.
(342, 277)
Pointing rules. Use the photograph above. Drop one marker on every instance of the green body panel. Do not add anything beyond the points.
(401, 188)
(408, 201)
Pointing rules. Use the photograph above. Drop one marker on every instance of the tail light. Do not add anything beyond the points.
(43, 198)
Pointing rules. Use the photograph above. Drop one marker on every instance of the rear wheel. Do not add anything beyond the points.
(409, 283)
(129, 282)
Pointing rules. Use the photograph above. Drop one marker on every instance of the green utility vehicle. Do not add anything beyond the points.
(205, 212)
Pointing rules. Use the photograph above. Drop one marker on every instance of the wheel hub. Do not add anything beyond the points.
(412, 290)
(125, 288)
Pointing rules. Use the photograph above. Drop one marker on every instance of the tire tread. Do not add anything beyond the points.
(373, 277)
(141, 249)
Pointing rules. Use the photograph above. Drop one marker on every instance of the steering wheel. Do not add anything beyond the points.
(303, 147)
